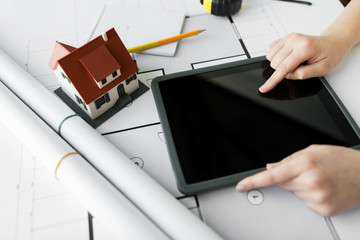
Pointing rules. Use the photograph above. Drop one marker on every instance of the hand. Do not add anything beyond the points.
(298, 56)
(326, 177)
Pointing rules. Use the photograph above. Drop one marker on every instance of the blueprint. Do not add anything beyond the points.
(39, 207)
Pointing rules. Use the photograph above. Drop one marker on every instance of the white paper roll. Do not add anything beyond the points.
(159, 205)
(101, 198)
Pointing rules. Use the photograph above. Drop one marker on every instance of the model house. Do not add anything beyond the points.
(96, 75)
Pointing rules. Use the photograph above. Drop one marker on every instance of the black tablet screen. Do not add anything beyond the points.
(222, 125)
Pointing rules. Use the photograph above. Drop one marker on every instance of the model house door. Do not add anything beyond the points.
(120, 90)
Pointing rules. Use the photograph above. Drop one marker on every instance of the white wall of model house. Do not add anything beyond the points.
(91, 109)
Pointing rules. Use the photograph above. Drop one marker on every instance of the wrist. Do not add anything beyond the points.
(341, 41)
(346, 27)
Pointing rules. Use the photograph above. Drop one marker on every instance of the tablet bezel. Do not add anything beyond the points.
(230, 179)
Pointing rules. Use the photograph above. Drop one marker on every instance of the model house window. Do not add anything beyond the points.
(102, 100)
(114, 74)
(80, 101)
(133, 77)
(103, 81)
(64, 76)
(99, 102)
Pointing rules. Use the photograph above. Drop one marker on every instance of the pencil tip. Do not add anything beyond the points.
(201, 30)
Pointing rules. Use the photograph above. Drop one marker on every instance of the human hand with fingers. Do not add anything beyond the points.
(298, 56)
(326, 177)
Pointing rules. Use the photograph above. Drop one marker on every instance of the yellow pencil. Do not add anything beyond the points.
(164, 41)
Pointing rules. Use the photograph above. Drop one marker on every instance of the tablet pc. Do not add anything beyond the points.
(219, 128)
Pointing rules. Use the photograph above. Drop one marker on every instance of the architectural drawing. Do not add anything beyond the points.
(136, 129)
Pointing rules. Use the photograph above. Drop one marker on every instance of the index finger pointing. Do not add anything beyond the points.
(288, 65)
(280, 174)
(274, 80)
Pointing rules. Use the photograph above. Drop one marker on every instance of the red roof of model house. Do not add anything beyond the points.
(100, 63)
(94, 61)
(60, 50)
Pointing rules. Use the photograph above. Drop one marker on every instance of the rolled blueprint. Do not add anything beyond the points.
(148, 195)
(100, 197)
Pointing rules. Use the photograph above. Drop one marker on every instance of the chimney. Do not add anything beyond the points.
(104, 36)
